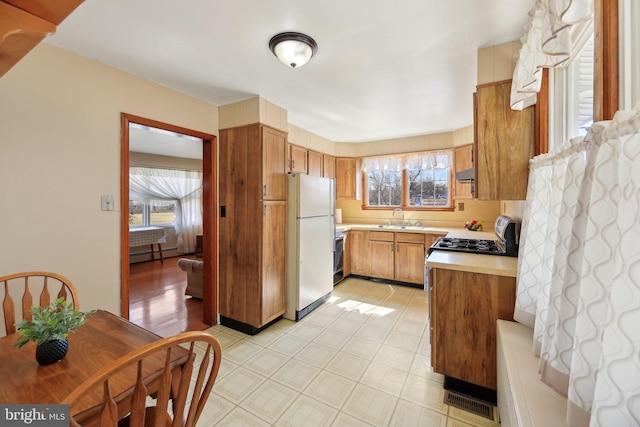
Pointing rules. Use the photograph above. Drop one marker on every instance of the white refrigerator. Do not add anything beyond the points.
(310, 243)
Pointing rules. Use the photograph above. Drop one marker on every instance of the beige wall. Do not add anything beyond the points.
(496, 63)
(254, 110)
(59, 151)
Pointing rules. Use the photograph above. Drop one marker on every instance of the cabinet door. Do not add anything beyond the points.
(314, 163)
(346, 254)
(463, 160)
(360, 253)
(329, 166)
(297, 159)
(382, 256)
(466, 307)
(345, 178)
(274, 174)
(505, 144)
(409, 260)
(274, 239)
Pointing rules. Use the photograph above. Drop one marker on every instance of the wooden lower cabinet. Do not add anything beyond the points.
(359, 252)
(409, 258)
(272, 286)
(389, 255)
(465, 307)
(382, 247)
(252, 281)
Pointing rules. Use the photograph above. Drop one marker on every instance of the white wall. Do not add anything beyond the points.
(59, 151)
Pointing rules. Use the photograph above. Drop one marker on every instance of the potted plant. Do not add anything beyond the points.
(49, 328)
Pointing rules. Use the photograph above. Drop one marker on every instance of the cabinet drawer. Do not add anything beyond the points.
(410, 237)
(385, 236)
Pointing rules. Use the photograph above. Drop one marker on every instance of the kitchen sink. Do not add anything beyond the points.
(402, 227)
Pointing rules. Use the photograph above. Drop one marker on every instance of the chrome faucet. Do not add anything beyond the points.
(394, 214)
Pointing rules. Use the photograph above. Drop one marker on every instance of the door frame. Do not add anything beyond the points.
(209, 224)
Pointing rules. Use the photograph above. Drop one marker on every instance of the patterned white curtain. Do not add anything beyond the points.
(581, 292)
(184, 187)
(418, 160)
(553, 30)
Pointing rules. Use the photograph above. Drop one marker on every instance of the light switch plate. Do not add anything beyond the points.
(107, 202)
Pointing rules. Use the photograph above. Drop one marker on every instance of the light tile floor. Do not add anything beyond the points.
(360, 359)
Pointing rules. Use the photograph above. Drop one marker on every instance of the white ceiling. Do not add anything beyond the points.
(383, 69)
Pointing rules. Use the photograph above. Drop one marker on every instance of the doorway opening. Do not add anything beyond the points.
(207, 242)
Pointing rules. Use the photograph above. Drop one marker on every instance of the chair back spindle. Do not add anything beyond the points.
(26, 283)
(179, 400)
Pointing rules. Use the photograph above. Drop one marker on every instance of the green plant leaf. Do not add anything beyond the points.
(51, 323)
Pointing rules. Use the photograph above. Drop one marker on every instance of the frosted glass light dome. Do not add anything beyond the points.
(293, 49)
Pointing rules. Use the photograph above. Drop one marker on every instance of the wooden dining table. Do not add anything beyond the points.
(102, 339)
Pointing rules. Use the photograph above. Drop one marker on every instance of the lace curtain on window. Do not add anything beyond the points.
(183, 187)
(553, 31)
(578, 281)
(397, 162)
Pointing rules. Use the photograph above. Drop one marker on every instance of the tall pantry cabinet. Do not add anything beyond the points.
(253, 211)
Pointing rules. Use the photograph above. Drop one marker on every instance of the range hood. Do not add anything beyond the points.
(466, 175)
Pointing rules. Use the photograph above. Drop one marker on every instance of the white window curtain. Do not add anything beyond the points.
(578, 281)
(397, 162)
(553, 30)
(184, 187)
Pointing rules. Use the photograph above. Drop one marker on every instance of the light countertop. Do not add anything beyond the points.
(459, 261)
(474, 263)
(443, 231)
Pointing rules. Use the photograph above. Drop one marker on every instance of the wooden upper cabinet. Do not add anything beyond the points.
(274, 175)
(505, 143)
(25, 23)
(297, 159)
(314, 163)
(329, 167)
(463, 160)
(345, 178)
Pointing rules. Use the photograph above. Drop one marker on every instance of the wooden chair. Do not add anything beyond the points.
(24, 284)
(127, 383)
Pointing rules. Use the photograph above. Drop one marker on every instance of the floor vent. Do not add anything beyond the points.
(468, 404)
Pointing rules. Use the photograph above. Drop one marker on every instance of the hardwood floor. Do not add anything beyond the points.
(157, 301)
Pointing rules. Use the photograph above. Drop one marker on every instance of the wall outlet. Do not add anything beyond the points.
(107, 202)
(461, 206)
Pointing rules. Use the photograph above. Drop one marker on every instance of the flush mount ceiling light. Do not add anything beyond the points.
(293, 49)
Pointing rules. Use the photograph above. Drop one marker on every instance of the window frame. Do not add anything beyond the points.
(563, 111)
(146, 216)
(405, 202)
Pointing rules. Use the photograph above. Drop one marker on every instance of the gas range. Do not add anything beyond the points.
(506, 242)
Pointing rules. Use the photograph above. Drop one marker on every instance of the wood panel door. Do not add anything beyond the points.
(466, 307)
(382, 259)
(314, 163)
(329, 166)
(463, 160)
(345, 178)
(274, 174)
(274, 240)
(360, 252)
(505, 143)
(297, 159)
(409, 262)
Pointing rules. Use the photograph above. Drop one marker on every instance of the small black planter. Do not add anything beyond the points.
(51, 352)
